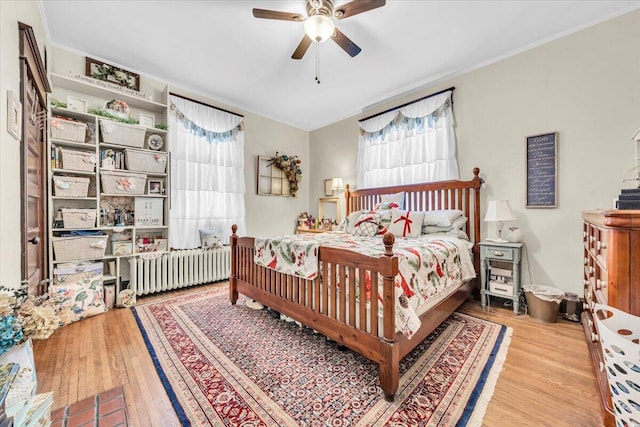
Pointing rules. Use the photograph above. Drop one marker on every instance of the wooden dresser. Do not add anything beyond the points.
(611, 240)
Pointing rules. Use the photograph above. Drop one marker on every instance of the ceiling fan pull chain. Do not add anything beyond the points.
(318, 63)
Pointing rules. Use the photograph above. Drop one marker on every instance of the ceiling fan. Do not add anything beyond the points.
(319, 25)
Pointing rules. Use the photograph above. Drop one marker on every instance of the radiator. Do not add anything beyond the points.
(152, 273)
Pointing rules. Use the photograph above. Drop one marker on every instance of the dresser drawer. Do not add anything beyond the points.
(497, 252)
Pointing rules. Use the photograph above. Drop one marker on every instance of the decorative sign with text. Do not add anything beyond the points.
(542, 170)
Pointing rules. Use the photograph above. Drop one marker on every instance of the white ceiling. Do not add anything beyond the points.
(218, 49)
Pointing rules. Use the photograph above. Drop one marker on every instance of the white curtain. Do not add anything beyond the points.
(207, 172)
(413, 144)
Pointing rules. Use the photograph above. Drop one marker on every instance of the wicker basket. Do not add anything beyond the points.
(79, 247)
(123, 182)
(70, 186)
(79, 218)
(69, 130)
(78, 160)
(146, 161)
(121, 133)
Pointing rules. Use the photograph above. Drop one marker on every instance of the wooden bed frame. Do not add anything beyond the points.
(319, 305)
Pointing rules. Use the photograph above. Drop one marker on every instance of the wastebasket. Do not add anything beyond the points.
(543, 302)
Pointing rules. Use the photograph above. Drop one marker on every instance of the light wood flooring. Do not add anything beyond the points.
(547, 379)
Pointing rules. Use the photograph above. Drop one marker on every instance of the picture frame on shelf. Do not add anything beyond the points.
(14, 115)
(147, 120)
(76, 104)
(110, 73)
(154, 186)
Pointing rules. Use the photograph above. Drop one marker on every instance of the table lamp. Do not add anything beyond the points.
(499, 211)
(337, 184)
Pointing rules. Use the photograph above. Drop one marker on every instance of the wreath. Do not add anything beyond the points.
(290, 166)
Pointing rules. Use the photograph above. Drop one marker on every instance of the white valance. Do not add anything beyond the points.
(209, 119)
(414, 110)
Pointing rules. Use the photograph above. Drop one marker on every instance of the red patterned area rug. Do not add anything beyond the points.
(225, 365)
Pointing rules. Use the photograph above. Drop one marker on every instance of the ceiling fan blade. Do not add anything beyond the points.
(302, 47)
(345, 42)
(274, 14)
(357, 6)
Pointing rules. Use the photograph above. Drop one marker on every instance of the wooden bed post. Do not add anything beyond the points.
(477, 181)
(233, 289)
(390, 367)
(347, 196)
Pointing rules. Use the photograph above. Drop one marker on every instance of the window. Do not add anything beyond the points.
(412, 144)
(207, 172)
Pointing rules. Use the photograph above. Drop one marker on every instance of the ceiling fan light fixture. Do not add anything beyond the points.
(319, 28)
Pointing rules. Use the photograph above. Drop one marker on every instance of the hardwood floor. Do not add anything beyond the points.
(547, 379)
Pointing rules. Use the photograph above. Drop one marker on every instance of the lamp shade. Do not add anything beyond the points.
(319, 28)
(337, 184)
(499, 210)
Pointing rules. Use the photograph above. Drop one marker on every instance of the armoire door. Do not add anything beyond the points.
(33, 89)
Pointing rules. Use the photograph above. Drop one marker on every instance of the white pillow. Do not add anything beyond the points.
(210, 239)
(406, 223)
(457, 224)
(441, 218)
(367, 225)
(387, 201)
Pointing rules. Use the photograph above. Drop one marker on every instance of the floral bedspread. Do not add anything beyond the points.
(427, 265)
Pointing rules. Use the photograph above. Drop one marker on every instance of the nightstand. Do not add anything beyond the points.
(500, 271)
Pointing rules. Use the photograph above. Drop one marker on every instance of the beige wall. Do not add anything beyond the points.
(584, 86)
(12, 12)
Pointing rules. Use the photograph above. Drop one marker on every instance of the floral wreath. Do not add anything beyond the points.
(290, 166)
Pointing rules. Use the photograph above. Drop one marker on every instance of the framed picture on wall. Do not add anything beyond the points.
(542, 170)
(328, 187)
(14, 115)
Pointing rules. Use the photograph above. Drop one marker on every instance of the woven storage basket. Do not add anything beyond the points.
(79, 218)
(145, 161)
(121, 133)
(69, 130)
(79, 247)
(78, 160)
(70, 186)
(123, 182)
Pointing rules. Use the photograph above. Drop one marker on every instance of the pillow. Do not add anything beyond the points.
(367, 225)
(387, 201)
(210, 239)
(406, 223)
(460, 234)
(350, 221)
(385, 220)
(457, 224)
(78, 295)
(441, 218)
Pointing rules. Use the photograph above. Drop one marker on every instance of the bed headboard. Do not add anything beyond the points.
(455, 194)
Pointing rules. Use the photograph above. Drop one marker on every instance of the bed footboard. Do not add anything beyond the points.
(330, 304)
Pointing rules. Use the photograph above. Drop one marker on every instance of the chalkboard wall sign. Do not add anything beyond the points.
(542, 170)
